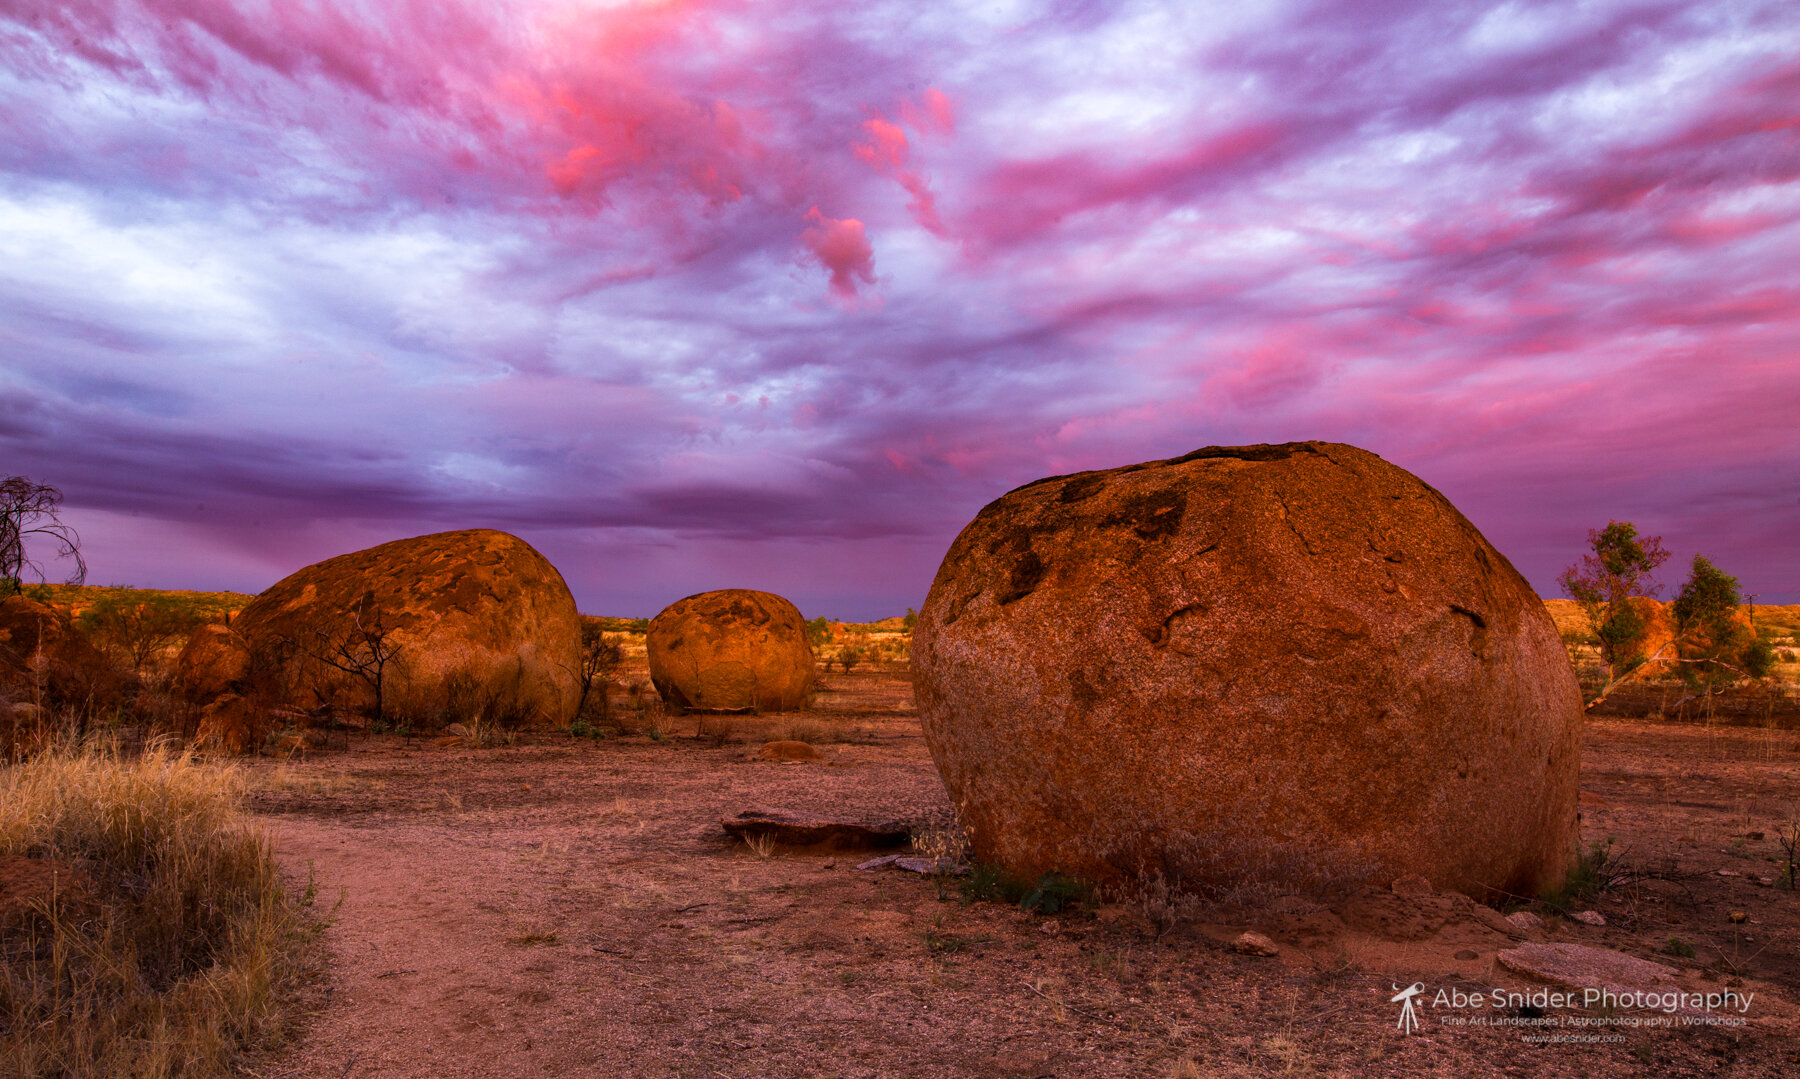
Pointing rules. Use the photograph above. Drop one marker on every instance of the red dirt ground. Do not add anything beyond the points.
(565, 907)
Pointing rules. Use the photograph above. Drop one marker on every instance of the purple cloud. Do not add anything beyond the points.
(692, 295)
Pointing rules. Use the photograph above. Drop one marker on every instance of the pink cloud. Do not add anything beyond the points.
(843, 248)
(933, 113)
(887, 151)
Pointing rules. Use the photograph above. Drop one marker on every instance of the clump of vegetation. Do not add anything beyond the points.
(178, 952)
(1681, 949)
(848, 657)
(136, 629)
(1597, 869)
(1714, 645)
(1717, 648)
(599, 659)
(1789, 838)
(1604, 583)
(1050, 893)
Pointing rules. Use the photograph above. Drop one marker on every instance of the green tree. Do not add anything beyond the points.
(911, 620)
(1717, 647)
(818, 631)
(136, 626)
(28, 510)
(1619, 567)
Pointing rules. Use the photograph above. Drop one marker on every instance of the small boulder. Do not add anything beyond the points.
(1254, 944)
(214, 662)
(1526, 922)
(734, 650)
(231, 725)
(788, 751)
(1589, 917)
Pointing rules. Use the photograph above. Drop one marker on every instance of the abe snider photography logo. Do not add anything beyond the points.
(1559, 1015)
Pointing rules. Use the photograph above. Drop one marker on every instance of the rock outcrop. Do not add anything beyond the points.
(735, 650)
(1290, 665)
(473, 624)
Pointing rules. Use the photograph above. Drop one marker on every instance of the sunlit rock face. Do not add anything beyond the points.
(1291, 665)
(479, 626)
(729, 651)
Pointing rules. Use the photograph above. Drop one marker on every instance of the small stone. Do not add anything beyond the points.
(1729, 873)
(788, 751)
(879, 863)
(1526, 921)
(929, 866)
(831, 863)
(1412, 884)
(1050, 929)
(1589, 917)
(1466, 954)
(1254, 944)
(1766, 882)
(1738, 917)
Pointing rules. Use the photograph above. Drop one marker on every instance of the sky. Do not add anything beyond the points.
(709, 294)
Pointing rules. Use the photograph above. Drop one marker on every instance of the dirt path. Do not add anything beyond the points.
(572, 909)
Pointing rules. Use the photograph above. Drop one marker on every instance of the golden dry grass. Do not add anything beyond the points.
(186, 953)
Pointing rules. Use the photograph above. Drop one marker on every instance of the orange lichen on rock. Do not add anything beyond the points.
(474, 621)
(1292, 664)
(734, 650)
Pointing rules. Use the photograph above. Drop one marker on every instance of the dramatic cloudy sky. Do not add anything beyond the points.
(706, 294)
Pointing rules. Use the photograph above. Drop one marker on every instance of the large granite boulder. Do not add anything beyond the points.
(475, 624)
(1292, 666)
(734, 650)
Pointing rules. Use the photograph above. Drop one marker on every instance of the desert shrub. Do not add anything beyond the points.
(136, 628)
(848, 657)
(598, 660)
(181, 950)
(1788, 655)
(477, 696)
(1050, 893)
(1597, 869)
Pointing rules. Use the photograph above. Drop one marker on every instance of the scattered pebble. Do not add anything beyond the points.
(1738, 917)
(1526, 920)
(1729, 873)
(1589, 917)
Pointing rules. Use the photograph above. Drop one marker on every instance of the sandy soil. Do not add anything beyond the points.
(564, 907)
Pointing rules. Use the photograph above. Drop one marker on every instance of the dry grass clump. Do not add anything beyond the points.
(181, 953)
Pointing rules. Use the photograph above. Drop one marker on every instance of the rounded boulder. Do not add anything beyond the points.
(454, 625)
(1276, 667)
(734, 650)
